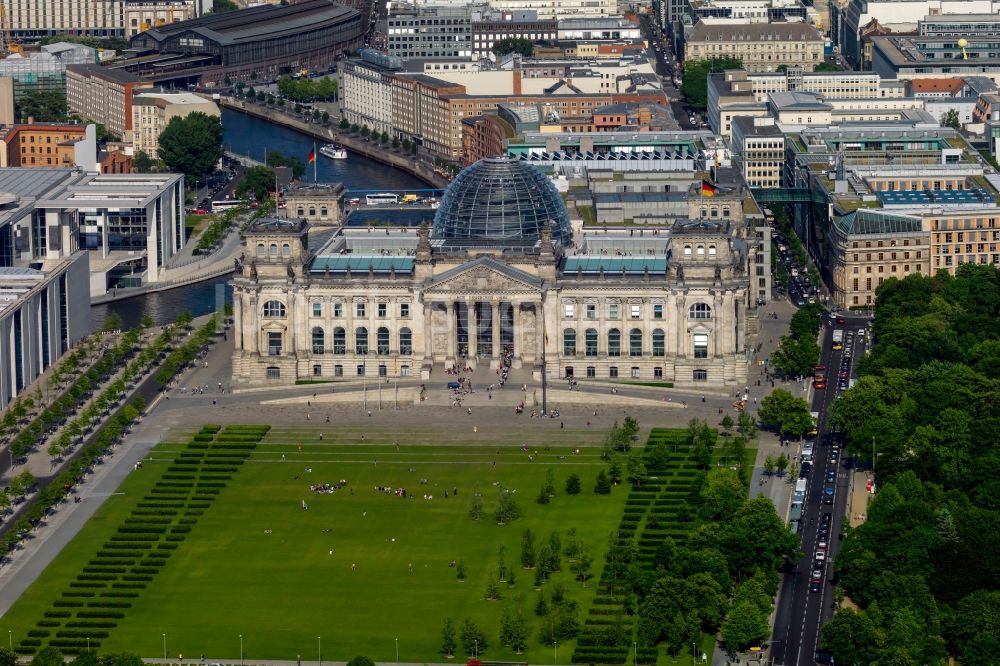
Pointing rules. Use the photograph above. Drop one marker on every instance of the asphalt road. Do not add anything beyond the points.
(802, 612)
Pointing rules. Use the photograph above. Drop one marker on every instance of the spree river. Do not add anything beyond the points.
(251, 136)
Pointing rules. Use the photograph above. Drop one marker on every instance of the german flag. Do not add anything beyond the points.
(312, 156)
(708, 189)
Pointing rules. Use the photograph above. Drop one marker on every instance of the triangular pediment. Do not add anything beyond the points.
(484, 275)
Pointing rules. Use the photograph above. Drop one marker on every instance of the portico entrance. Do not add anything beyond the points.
(471, 330)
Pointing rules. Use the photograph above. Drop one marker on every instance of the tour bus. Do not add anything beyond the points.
(838, 338)
(225, 204)
(381, 199)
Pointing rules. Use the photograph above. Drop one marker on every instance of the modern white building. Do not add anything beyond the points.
(44, 300)
(131, 223)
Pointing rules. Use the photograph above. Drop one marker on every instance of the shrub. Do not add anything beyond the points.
(79, 584)
(108, 604)
(146, 579)
(146, 570)
(48, 623)
(38, 633)
(97, 624)
(180, 529)
(129, 586)
(104, 570)
(154, 563)
(78, 594)
(67, 603)
(97, 577)
(57, 614)
(120, 595)
(117, 615)
(166, 546)
(81, 634)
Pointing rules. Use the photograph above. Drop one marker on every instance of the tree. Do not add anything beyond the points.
(48, 656)
(43, 106)
(513, 630)
(746, 626)
(384, 138)
(951, 119)
(192, 144)
(695, 84)
(603, 485)
(344, 124)
(259, 182)
(580, 566)
(460, 570)
(529, 555)
(473, 640)
(827, 67)
(519, 45)
(113, 322)
(722, 494)
(788, 414)
(573, 484)
(507, 507)
(492, 588)
(781, 464)
(636, 469)
(361, 660)
(87, 658)
(615, 471)
(476, 507)
(220, 6)
(8, 657)
(325, 117)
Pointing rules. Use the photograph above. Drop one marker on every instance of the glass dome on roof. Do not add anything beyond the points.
(501, 201)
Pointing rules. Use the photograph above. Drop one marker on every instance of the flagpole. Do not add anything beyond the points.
(315, 164)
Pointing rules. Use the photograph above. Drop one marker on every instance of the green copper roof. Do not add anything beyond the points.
(613, 265)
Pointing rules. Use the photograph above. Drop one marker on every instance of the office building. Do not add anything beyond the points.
(762, 47)
(36, 145)
(103, 95)
(141, 15)
(152, 112)
(429, 31)
(759, 148)
(44, 69)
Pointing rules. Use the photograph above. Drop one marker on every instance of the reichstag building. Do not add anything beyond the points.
(502, 270)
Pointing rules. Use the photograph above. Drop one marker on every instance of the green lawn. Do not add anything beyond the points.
(284, 589)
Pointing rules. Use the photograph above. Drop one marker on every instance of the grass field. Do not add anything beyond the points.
(257, 564)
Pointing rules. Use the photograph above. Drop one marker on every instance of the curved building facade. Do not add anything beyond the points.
(259, 43)
(501, 276)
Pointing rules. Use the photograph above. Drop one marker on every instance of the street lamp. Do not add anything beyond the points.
(397, 650)
(241, 649)
(164, 647)
(88, 643)
(10, 639)
(319, 649)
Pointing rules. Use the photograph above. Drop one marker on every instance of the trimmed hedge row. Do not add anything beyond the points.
(96, 624)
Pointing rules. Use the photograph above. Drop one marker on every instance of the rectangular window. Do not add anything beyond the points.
(700, 346)
(359, 309)
(591, 311)
(635, 311)
(273, 344)
(383, 310)
(317, 309)
(591, 371)
(338, 371)
(658, 373)
(613, 311)
(361, 370)
(338, 309)
(317, 371)
(569, 310)
(657, 312)
(635, 372)
(613, 372)
(404, 310)
(700, 375)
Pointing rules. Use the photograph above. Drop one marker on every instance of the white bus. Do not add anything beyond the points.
(225, 204)
(382, 199)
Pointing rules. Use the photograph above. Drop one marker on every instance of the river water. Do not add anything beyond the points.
(250, 136)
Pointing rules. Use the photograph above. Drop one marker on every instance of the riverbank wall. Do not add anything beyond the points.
(372, 151)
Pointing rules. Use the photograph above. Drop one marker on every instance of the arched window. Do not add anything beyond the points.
(715, 212)
(339, 340)
(274, 309)
(318, 340)
(383, 340)
(324, 212)
(273, 250)
(591, 342)
(700, 311)
(405, 341)
(361, 340)
(704, 212)
(614, 342)
(725, 211)
(300, 211)
(312, 212)
(286, 250)
(635, 342)
(700, 251)
(700, 375)
(659, 342)
(569, 342)
(711, 250)
(687, 250)
(261, 250)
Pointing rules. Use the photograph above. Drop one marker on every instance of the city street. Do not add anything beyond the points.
(805, 606)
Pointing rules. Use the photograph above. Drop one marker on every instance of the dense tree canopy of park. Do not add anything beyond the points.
(924, 569)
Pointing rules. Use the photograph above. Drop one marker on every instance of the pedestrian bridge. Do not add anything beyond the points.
(766, 195)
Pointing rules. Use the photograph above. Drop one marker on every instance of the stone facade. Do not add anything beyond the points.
(320, 204)
(422, 309)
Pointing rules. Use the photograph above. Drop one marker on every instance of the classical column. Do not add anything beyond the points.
(515, 333)
(238, 319)
(495, 323)
(254, 318)
(428, 331)
(452, 330)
